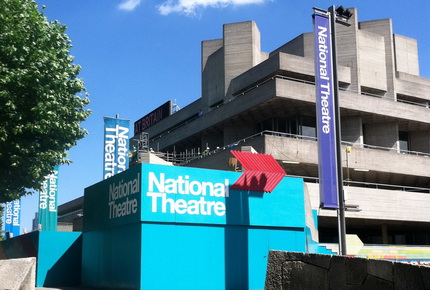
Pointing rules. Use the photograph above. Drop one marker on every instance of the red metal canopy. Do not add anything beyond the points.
(262, 172)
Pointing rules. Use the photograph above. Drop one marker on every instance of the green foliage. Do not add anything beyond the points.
(40, 95)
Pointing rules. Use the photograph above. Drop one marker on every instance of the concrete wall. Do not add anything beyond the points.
(372, 61)
(352, 129)
(348, 46)
(420, 141)
(305, 151)
(241, 49)
(384, 28)
(212, 72)
(381, 134)
(379, 204)
(292, 270)
(406, 54)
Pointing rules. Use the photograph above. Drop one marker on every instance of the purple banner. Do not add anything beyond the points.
(327, 160)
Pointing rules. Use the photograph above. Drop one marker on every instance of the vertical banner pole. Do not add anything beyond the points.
(328, 119)
(341, 209)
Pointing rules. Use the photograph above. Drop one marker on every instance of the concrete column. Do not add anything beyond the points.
(212, 72)
(406, 51)
(384, 233)
(384, 28)
(347, 49)
(241, 50)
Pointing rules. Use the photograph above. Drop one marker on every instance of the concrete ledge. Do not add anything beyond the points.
(292, 270)
(18, 273)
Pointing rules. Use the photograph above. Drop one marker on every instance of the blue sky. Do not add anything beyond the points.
(137, 54)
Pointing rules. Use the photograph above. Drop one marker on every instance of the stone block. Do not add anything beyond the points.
(18, 274)
(319, 260)
(356, 271)
(407, 276)
(299, 275)
(374, 283)
(337, 274)
(425, 272)
(274, 270)
(380, 269)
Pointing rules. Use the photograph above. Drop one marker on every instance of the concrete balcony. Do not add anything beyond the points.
(380, 165)
(379, 204)
(283, 64)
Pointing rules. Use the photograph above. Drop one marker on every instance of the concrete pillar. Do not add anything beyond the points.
(212, 73)
(347, 49)
(384, 28)
(406, 52)
(241, 50)
(384, 233)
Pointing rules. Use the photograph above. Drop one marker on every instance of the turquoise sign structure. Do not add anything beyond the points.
(47, 217)
(116, 144)
(12, 215)
(165, 227)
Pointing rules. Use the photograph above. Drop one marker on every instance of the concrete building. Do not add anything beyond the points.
(267, 101)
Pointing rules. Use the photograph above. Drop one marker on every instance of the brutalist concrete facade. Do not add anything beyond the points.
(267, 100)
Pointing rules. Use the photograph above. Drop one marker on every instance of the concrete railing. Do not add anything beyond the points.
(293, 270)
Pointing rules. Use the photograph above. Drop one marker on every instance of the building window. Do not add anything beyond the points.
(298, 125)
(309, 127)
(404, 142)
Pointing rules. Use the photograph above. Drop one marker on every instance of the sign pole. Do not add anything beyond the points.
(341, 209)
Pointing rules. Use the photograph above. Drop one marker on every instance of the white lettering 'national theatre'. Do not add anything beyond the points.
(160, 187)
(324, 73)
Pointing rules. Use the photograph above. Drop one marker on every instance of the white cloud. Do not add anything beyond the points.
(129, 5)
(189, 6)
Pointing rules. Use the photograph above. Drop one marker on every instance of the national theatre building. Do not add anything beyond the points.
(266, 100)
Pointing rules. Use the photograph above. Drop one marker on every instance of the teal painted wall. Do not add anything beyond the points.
(58, 256)
(189, 230)
(111, 258)
(59, 259)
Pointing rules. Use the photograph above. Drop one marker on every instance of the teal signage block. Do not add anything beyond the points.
(166, 227)
(48, 202)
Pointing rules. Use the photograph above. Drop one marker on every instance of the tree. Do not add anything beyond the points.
(41, 98)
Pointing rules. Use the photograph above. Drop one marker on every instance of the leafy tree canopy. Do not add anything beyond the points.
(41, 102)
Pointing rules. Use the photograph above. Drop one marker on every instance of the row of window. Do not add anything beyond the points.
(306, 126)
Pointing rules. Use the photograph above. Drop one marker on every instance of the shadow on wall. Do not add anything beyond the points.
(66, 271)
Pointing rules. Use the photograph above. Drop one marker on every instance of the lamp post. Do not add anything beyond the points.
(339, 15)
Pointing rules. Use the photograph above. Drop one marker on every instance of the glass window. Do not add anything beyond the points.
(404, 141)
